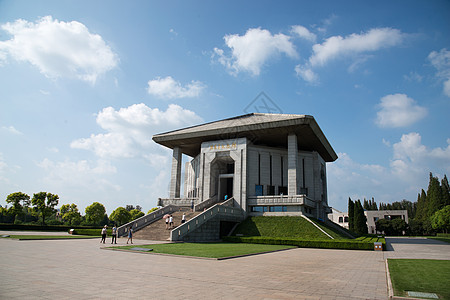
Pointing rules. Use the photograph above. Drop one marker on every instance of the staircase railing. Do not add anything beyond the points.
(205, 204)
(143, 221)
(193, 224)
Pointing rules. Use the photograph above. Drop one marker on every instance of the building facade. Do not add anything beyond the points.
(270, 164)
(372, 216)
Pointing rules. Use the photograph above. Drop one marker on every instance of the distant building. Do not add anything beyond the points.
(372, 216)
(339, 217)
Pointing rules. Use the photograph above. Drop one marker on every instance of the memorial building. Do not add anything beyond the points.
(268, 164)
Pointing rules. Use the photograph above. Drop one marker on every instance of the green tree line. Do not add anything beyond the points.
(428, 215)
(42, 209)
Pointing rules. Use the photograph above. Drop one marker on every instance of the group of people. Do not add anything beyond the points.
(114, 235)
(169, 221)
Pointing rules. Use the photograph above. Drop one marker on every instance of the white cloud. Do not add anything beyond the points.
(337, 46)
(251, 51)
(304, 33)
(76, 174)
(411, 158)
(441, 61)
(413, 76)
(404, 176)
(11, 130)
(58, 49)
(398, 110)
(168, 88)
(130, 129)
(307, 74)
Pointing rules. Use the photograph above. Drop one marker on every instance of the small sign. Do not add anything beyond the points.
(423, 295)
(141, 249)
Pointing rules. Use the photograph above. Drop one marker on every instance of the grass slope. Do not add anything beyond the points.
(420, 275)
(280, 227)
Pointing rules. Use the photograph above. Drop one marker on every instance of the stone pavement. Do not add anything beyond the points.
(79, 269)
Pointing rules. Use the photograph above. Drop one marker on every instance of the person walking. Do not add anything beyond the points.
(114, 235)
(103, 234)
(183, 219)
(167, 221)
(170, 222)
(130, 235)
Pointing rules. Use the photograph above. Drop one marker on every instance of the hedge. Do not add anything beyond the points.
(8, 226)
(325, 244)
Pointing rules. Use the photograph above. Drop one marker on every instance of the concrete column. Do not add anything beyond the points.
(292, 164)
(175, 176)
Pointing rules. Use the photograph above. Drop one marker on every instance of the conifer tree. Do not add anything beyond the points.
(366, 204)
(360, 225)
(445, 191)
(434, 197)
(351, 209)
(373, 205)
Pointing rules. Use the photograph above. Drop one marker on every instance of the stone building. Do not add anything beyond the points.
(269, 164)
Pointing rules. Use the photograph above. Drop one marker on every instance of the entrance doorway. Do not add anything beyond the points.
(222, 177)
(225, 187)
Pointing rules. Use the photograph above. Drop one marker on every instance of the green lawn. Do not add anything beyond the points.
(420, 275)
(280, 227)
(47, 237)
(210, 250)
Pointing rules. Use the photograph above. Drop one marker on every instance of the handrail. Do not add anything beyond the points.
(178, 233)
(143, 221)
(205, 204)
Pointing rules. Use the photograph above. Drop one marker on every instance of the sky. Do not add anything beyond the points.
(84, 85)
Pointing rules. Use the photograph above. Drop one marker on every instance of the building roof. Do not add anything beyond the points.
(261, 129)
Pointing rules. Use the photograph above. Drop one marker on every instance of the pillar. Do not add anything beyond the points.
(175, 176)
(292, 164)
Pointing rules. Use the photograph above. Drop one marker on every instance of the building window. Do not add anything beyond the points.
(345, 219)
(282, 190)
(258, 190)
(277, 208)
(270, 190)
(258, 208)
(341, 220)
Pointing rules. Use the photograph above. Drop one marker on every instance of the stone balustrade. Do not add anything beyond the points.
(223, 210)
(281, 200)
(146, 220)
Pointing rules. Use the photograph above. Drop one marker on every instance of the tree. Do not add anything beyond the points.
(129, 207)
(366, 204)
(136, 214)
(360, 220)
(382, 225)
(398, 226)
(434, 197)
(120, 216)
(445, 191)
(18, 200)
(152, 210)
(95, 213)
(70, 213)
(351, 209)
(441, 219)
(45, 204)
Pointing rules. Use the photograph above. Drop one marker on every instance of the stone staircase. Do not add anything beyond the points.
(157, 231)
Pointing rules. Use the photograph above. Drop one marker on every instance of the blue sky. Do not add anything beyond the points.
(85, 84)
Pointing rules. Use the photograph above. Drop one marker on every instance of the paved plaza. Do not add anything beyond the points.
(80, 269)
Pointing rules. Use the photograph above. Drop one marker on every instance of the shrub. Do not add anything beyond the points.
(325, 244)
